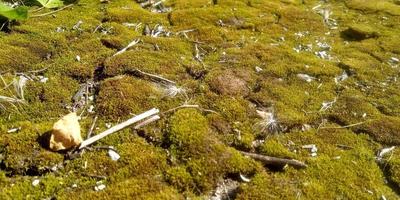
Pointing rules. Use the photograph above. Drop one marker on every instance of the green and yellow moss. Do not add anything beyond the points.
(187, 153)
(122, 96)
(204, 157)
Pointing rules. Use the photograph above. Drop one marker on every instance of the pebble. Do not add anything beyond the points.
(35, 182)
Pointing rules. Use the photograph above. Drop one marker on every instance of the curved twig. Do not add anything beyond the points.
(343, 127)
(275, 161)
(188, 106)
(52, 12)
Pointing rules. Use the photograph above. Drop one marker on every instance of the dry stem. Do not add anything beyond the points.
(275, 161)
(119, 127)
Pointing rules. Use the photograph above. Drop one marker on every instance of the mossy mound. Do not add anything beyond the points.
(343, 167)
(391, 164)
(315, 81)
(202, 159)
(114, 91)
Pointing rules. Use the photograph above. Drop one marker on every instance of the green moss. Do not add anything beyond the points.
(357, 167)
(131, 188)
(48, 187)
(48, 99)
(372, 7)
(131, 12)
(20, 53)
(188, 134)
(384, 130)
(182, 4)
(352, 108)
(180, 178)
(234, 109)
(23, 153)
(360, 32)
(148, 61)
(187, 153)
(192, 142)
(122, 96)
(275, 148)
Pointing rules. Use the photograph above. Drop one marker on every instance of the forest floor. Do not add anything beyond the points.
(310, 80)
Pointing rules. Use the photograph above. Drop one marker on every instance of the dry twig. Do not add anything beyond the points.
(52, 12)
(343, 127)
(131, 44)
(119, 127)
(147, 121)
(275, 161)
(154, 77)
(188, 106)
(91, 128)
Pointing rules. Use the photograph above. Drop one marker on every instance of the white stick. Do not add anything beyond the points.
(131, 44)
(156, 77)
(119, 127)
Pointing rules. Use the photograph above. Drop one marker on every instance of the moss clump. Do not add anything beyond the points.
(131, 12)
(148, 61)
(384, 130)
(352, 107)
(22, 52)
(374, 6)
(22, 188)
(23, 154)
(227, 83)
(138, 158)
(122, 96)
(274, 148)
(119, 37)
(131, 188)
(392, 166)
(359, 32)
(235, 109)
(53, 97)
(182, 4)
(189, 133)
(320, 179)
(200, 154)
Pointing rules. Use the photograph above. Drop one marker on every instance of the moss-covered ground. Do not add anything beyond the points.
(269, 76)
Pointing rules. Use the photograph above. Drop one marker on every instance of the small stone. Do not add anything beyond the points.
(306, 77)
(313, 154)
(99, 187)
(313, 149)
(90, 109)
(341, 77)
(35, 182)
(113, 155)
(43, 79)
(258, 69)
(305, 127)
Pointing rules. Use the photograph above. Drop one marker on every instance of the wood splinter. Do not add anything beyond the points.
(275, 161)
(118, 127)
